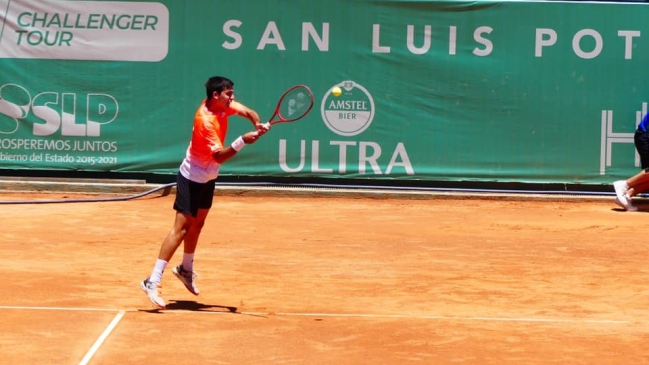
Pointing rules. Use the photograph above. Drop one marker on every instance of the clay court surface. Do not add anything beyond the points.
(328, 280)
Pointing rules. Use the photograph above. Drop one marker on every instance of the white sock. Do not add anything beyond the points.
(158, 269)
(188, 261)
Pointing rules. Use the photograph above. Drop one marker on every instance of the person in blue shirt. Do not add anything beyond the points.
(626, 189)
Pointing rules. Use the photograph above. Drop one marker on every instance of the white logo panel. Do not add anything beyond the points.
(85, 30)
(349, 114)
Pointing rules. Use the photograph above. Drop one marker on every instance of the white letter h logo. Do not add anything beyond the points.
(609, 137)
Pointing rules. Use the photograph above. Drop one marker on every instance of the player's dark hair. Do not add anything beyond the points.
(218, 84)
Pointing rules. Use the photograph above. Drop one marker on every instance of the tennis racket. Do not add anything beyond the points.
(294, 105)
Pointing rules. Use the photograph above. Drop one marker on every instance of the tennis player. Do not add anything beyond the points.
(625, 190)
(196, 181)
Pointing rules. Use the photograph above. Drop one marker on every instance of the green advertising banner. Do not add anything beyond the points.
(432, 90)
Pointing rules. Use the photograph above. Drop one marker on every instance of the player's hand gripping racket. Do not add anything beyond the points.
(294, 105)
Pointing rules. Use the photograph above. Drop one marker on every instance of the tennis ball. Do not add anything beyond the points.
(336, 91)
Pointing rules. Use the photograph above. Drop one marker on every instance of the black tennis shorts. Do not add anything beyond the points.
(192, 196)
(641, 140)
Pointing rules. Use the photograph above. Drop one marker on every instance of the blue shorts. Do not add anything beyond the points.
(641, 140)
(192, 196)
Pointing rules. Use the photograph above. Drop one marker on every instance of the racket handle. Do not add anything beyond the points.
(267, 125)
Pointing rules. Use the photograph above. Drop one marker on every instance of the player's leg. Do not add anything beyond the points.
(624, 189)
(178, 232)
(190, 240)
(185, 271)
(640, 182)
(183, 219)
(169, 246)
(640, 186)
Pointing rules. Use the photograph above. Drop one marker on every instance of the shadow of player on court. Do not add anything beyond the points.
(194, 306)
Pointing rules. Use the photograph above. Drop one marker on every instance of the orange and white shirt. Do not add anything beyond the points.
(208, 136)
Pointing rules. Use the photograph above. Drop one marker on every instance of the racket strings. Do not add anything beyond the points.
(295, 104)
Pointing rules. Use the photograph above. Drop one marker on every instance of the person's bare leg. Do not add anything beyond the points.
(194, 231)
(185, 271)
(638, 183)
(178, 232)
(169, 246)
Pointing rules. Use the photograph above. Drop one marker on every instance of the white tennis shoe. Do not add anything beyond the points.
(630, 207)
(622, 197)
(187, 278)
(151, 290)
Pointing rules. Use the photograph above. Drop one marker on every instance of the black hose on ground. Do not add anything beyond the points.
(167, 190)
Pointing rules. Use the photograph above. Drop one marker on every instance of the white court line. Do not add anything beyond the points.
(450, 318)
(101, 338)
(79, 309)
(406, 316)
(349, 315)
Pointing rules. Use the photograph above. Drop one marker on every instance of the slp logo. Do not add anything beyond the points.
(55, 111)
(349, 114)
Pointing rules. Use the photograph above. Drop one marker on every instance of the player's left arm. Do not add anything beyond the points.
(251, 115)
